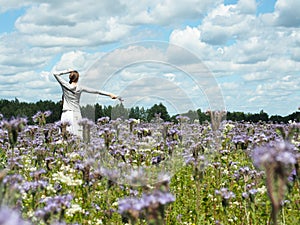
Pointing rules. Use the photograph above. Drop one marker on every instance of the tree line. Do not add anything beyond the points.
(15, 108)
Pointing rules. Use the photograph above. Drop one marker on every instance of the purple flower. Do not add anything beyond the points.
(245, 195)
(226, 195)
(156, 160)
(103, 120)
(54, 204)
(182, 119)
(60, 124)
(86, 122)
(252, 191)
(164, 197)
(128, 204)
(13, 127)
(146, 201)
(13, 181)
(10, 217)
(278, 160)
(37, 173)
(292, 176)
(40, 117)
(274, 152)
(34, 185)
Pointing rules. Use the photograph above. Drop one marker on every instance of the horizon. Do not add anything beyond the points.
(146, 108)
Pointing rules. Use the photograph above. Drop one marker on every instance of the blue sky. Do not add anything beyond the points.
(250, 49)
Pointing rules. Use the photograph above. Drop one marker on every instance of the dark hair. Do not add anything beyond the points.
(74, 76)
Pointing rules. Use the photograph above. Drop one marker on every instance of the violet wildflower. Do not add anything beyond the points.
(14, 126)
(196, 156)
(252, 192)
(150, 206)
(129, 208)
(241, 141)
(246, 173)
(132, 122)
(277, 159)
(54, 205)
(31, 131)
(245, 195)
(34, 186)
(40, 117)
(103, 120)
(226, 195)
(86, 127)
(129, 204)
(182, 119)
(292, 176)
(62, 126)
(13, 181)
(11, 217)
(156, 160)
(107, 134)
(288, 131)
(37, 174)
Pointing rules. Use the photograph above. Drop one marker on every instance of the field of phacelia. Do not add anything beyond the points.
(130, 172)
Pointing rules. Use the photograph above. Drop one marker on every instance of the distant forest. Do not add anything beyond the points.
(15, 108)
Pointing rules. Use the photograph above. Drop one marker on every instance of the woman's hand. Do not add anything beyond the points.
(66, 71)
(113, 96)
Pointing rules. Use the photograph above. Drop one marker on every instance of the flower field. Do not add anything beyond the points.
(130, 172)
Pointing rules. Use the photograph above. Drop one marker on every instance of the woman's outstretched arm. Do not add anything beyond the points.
(94, 91)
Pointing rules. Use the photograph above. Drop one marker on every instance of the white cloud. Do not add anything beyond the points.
(166, 12)
(271, 95)
(27, 86)
(286, 14)
(246, 6)
(255, 57)
(170, 76)
(259, 53)
(77, 60)
(189, 38)
(225, 23)
(49, 26)
(230, 85)
(13, 4)
(257, 76)
(285, 85)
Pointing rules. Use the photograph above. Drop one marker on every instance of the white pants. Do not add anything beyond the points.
(73, 118)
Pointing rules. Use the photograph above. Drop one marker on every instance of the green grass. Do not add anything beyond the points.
(95, 200)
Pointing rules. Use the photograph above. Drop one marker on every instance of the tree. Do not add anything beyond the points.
(236, 116)
(202, 116)
(98, 111)
(88, 111)
(143, 114)
(263, 116)
(277, 119)
(119, 111)
(107, 111)
(193, 115)
(15, 108)
(135, 113)
(256, 117)
(158, 109)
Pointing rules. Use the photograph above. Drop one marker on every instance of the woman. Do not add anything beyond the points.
(71, 98)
